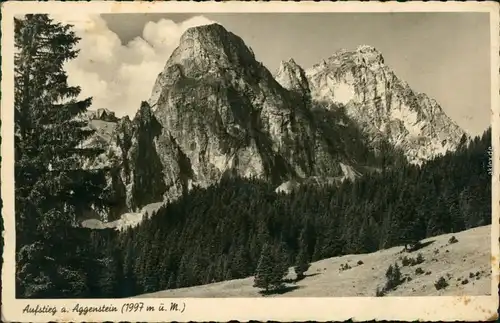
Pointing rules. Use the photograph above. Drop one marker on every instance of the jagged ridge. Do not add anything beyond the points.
(384, 105)
(216, 111)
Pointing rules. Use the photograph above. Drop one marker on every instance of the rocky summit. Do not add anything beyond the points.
(216, 111)
(382, 104)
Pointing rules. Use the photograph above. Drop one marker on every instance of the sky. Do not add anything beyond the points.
(445, 55)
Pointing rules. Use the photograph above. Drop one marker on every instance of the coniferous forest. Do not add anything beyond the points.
(219, 233)
(210, 234)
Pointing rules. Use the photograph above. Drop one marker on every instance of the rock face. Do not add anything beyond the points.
(293, 77)
(216, 111)
(382, 104)
(136, 177)
(103, 115)
(223, 113)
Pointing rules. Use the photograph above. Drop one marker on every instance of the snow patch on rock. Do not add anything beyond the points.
(126, 220)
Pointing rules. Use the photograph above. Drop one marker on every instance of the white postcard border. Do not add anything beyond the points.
(439, 308)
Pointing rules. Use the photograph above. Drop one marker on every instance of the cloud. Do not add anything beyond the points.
(119, 76)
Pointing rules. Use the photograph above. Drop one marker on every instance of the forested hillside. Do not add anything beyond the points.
(218, 233)
(461, 260)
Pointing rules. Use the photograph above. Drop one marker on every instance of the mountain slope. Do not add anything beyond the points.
(218, 233)
(216, 111)
(227, 115)
(465, 265)
(135, 178)
(383, 104)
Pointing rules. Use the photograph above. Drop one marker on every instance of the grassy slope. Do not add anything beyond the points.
(455, 262)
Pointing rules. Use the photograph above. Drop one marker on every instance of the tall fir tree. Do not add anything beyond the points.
(302, 260)
(51, 185)
(281, 264)
(110, 268)
(264, 277)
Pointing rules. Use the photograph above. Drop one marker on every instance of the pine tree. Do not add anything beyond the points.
(129, 284)
(171, 282)
(51, 185)
(240, 262)
(108, 280)
(280, 268)
(393, 275)
(302, 264)
(463, 143)
(150, 280)
(264, 273)
(302, 261)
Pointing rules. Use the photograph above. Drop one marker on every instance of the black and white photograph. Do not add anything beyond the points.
(241, 154)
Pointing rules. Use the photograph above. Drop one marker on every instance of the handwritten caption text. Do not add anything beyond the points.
(132, 307)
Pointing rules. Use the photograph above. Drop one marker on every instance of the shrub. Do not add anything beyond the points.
(406, 261)
(420, 259)
(344, 267)
(465, 281)
(380, 292)
(360, 262)
(393, 275)
(441, 283)
(419, 271)
(452, 240)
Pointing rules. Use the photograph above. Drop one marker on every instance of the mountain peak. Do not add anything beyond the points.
(370, 54)
(363, 55)
(202, 50)
(101, 114)
(290, 62)
(291, 76)
(210, 29)
(382, 103)
(367, 49)
(206, 46)
(214, 39)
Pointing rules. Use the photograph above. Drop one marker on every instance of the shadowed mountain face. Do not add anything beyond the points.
(216, 111)
(136, 177)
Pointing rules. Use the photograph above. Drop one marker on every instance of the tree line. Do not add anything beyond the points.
(221, 232)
